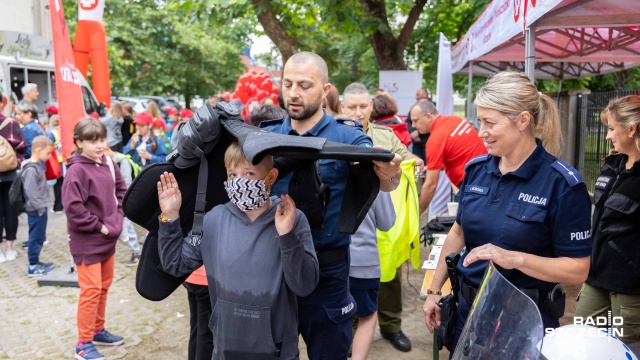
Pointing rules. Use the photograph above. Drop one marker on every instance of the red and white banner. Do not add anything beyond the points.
(70, 104)
(91, 10)
(500, 21)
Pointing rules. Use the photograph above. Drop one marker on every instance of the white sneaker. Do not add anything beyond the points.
(10, 255)
(45, 242)
(2, 257)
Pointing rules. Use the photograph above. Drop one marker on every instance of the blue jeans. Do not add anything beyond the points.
(37, 234)
(326, 315)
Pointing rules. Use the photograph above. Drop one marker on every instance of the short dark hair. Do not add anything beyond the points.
(267, 112)
(426, 107)
(383, 105)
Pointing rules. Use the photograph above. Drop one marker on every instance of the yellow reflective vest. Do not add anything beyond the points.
(402, 241)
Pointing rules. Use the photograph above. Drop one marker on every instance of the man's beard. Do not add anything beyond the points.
(306, 112)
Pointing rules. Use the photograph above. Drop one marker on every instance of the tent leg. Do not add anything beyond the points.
(530, 52)
(470, 94)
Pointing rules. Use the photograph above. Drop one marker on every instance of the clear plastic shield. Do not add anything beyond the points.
(503, 323)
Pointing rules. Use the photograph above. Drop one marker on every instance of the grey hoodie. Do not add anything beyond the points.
(114, 129)
(34, 184)
(254, 277)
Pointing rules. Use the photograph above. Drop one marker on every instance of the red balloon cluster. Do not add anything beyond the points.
(253, 85)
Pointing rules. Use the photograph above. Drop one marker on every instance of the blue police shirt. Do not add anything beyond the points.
(30, 130)
(334, 173)
(542, 208)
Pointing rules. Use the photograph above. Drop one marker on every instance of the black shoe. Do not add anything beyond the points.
(398, 339)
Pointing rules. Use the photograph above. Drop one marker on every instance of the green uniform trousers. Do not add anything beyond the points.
(390, 304)
(593, 301)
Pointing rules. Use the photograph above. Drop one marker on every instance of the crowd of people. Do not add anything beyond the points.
(520, 206)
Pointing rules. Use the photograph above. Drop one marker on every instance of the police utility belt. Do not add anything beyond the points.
(332, 256)
(552, 302)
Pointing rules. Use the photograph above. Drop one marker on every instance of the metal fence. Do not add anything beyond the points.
(591, 143)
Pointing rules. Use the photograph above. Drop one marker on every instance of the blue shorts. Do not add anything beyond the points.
(365, 292)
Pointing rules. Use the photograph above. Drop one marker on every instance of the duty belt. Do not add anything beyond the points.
(331, 256)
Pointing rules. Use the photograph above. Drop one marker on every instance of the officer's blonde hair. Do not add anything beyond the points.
(511, 93)
(626, 112)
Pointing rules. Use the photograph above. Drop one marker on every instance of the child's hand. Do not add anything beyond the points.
(169, 195)
(104, 230)
(135, 138)
(285, 217)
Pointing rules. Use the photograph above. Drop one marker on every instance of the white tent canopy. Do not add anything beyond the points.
(573, 38)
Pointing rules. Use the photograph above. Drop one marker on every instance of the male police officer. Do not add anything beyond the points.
(357, 104)
(453, 143)
(326, 315)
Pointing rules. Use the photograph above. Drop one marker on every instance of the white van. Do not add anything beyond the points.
(26, 58)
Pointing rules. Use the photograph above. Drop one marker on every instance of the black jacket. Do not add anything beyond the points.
(615, 262)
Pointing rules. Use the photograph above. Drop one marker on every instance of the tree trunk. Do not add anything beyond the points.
(389, 50)
(187, 100)
(286, 44)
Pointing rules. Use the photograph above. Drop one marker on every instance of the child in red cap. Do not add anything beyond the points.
(144, 147)
(158, 127)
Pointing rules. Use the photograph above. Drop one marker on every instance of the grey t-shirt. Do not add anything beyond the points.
(365, 258)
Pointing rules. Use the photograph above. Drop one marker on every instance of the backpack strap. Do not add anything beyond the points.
(5, 123)
(113, 175)
(201, 201)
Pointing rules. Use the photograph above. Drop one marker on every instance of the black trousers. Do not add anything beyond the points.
(200, 337)
(8, 217)
(57, 193)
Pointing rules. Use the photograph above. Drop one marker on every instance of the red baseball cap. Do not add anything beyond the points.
(144, 118)
(95, 115)
(159, 123)
(51, 110)
(173, 111)
(186, 113)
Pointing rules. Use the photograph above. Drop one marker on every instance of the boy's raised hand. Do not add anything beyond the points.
(169, 195)
(285, 217)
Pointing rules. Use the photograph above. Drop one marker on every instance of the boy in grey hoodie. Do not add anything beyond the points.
(258, 255)
(36, 193)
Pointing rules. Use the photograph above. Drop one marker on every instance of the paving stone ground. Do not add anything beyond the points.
(40, 322)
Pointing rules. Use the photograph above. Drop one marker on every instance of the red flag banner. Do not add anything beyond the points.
(70, 104)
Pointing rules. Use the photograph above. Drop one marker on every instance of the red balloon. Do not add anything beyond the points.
(274, 90)
(262, 94)
(274, 98)
(227, 96)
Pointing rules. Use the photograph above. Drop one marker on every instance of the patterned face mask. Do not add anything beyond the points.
(247, 194)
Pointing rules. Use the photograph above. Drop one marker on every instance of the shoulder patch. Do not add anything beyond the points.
(476, 160)
(349, 121)
(267, 123)
(571, 175)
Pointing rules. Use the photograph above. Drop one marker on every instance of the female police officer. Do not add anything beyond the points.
(614, 278)
(520, 206)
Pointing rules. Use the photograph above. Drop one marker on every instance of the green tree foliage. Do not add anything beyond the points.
(160, 48)
(452, 18)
